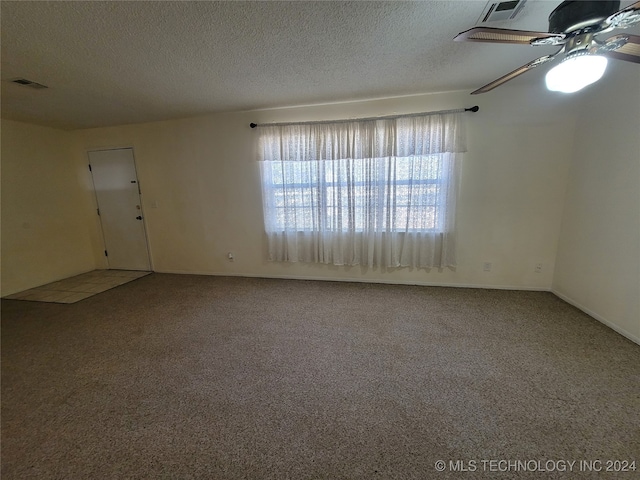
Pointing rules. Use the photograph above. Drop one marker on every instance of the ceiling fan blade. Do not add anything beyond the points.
(628, 49)
(515, 73)
(504, 35)
(624, 18)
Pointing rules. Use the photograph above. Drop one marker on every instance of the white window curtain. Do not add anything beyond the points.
(375, 192)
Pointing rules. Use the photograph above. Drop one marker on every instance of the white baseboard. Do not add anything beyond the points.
(593, 314)
(359, 280)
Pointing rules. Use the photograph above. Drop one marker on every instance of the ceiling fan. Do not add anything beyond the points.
(574, 26)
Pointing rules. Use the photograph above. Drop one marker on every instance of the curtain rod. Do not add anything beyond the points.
(388, 117)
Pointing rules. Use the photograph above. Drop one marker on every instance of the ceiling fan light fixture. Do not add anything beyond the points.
(575, 72)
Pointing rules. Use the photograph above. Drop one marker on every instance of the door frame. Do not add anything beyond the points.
(140, 194)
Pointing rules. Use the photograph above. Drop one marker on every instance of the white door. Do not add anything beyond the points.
(118, 194)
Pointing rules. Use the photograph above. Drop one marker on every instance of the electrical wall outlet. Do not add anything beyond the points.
(231, 256)
(538, 268)
(487, 266)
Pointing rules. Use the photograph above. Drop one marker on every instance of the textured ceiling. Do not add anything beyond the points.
(109, 63)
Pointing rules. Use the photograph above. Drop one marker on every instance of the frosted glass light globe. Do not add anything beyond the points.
(575, 73)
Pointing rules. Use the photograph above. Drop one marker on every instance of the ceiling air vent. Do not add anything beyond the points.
(497, 11)
(28, 83)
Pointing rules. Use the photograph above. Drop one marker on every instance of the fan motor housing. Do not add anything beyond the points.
(573, 15)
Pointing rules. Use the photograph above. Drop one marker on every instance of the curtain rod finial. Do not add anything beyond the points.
(253, 125)
(472, 109)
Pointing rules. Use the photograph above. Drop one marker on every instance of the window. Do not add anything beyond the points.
(408, 193)
(374, 192)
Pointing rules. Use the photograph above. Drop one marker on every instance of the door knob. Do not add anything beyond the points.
(139, 217)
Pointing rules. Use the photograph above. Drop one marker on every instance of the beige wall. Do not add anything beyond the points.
(202, 176)
(598, 266)
(47, 232)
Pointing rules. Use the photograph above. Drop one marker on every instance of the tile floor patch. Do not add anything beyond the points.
(74, 289)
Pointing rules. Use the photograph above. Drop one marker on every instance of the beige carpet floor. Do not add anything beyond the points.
(230, 378)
